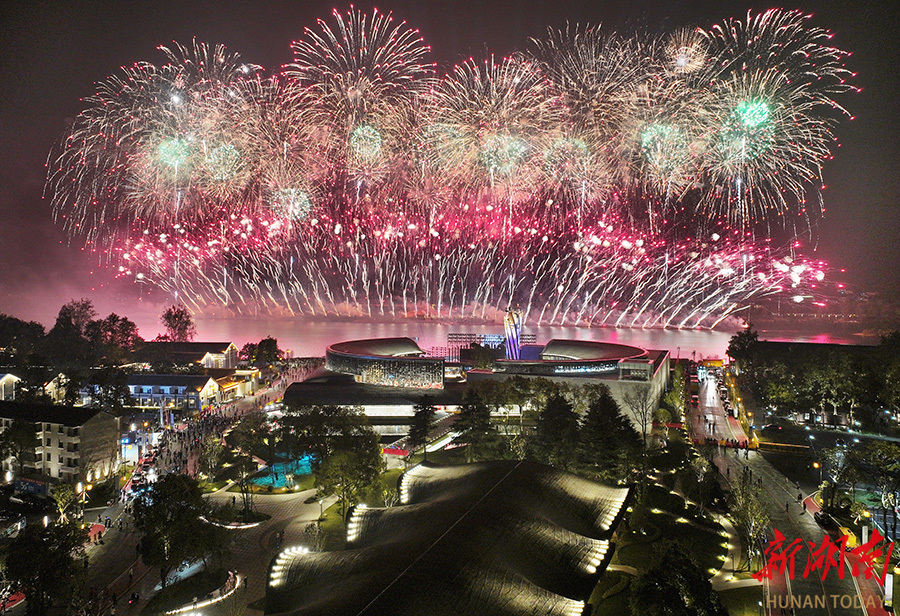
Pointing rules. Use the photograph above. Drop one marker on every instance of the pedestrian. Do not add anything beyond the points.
(799, 497)
(728, 471)
(233, 500)
(786, 506)
(804, 506)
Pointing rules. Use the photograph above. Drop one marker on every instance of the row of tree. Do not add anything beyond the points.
(857, 381)
(84, 350)
(81, 346)
(571, 428)
(874, 466)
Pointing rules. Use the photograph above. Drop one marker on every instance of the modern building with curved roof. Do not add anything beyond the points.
(398, 362)
(506, 538)
(573, 358)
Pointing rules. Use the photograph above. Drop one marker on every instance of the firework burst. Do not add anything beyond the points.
(602, 179)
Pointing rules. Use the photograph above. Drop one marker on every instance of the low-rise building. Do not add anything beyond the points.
(205, 354)
(190, 392)
(8, 386)
(72, 443)
(235, 384)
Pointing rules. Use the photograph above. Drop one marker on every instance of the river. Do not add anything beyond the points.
(310, 337)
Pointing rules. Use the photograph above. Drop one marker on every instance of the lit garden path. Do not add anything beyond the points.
(253, 548)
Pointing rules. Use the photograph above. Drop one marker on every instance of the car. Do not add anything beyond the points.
(828, 523)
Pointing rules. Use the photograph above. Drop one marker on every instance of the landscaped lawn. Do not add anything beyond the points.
(616, 585)
(183, 592)
(697, 531)
(742, 601)
(334, 528)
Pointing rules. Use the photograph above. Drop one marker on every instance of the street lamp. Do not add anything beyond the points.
(818, 466)
(82, 491)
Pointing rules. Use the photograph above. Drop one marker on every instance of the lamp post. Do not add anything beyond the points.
(818, 466)
(82, 491)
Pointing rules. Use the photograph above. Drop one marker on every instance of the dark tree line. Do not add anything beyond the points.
(822, 379)
(579, 428)
(265, 351)
(84, 349)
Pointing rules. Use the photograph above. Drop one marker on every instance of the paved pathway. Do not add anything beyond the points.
(788, 516)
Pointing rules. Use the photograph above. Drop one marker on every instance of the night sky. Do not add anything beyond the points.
(52, 52)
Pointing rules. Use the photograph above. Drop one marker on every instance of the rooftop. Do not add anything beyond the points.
(48, 413)
(495, 538)
(379, 347)
(326, 387)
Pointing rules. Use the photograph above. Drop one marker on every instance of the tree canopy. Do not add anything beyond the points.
(178, 323)
(344, 449)
(608, 443)
(557, 432)
(422, 424)
(675, 586)
(41, 562)
(168, 518)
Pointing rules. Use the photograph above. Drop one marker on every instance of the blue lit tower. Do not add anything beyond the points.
(512, 323)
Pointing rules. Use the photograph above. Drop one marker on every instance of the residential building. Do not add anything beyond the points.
(190, 392)
(205, 354)
(8, 386)
(73, 443)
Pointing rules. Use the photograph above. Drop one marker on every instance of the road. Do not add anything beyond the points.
(115, 571)
(786, 514)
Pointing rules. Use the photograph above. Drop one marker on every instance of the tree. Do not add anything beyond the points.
(557, 432)
(19, 441)
(248, 352)
(31, 388)
(421, 425)
(675, 586)
(267, 351)
(179, 324)
(66, 342)
(352, 469)
(110, 387)
(248, 437)
(474, 428)
(172, 533)
(882, 461)
(64, 497)
(19, 339)
(608, 442)
(482, 357)
(345, 453)
(113, 338)
(747, 509)
(742, 346)
(639, 401)
(211, 454)
(840, 462)
(41, 562)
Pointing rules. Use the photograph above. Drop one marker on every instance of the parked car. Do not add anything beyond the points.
(828, 523)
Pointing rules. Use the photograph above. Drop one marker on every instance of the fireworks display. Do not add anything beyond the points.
(597, 179)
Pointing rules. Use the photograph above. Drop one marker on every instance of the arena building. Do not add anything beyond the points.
(396, 362)
(388, 376)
